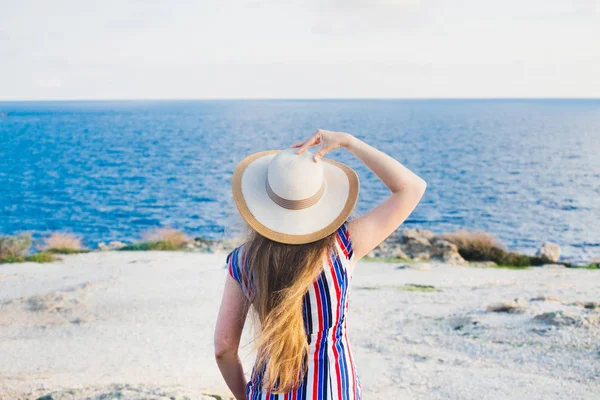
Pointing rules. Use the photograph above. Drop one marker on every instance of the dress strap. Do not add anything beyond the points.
(237, 267)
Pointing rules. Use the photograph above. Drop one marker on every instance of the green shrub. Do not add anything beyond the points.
(43, 257)
(482, 246)
(148, 246)
(476, 246)
(62, 243)
(67, 251)
(11, 260)
(412, 287)
(166, 245)
(591, 266)
(167, 239)
(136, 247)
(160, 239)
(14, 246)
(520, 260)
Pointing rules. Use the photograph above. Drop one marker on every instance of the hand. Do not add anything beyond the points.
(328, 140)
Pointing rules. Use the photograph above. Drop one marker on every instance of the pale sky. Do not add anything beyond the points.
(175, 49)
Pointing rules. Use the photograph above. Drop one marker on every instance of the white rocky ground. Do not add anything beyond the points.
(139, 325)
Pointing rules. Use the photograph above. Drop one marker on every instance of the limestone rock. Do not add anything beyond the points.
(419, 267)
(225, 246)
(514, 306)
(553, 266)
(483, 264)
(446, 251)
(549, 251)
(562, 318)
(416, 243)
(595, 261)
(465, 324)
(422, 257)
(397, 252)
(116, 245)
(216, 246)
(388, 249)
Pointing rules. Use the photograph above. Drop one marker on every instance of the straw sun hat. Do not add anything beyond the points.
(290, 198)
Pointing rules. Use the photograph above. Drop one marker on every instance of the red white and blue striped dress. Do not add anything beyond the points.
(331, 372)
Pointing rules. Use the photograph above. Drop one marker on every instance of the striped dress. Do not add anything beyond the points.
(331, 372)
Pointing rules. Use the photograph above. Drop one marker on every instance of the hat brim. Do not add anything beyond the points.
(293, 226)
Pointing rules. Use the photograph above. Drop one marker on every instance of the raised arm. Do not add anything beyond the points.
(406, 189)
(405, 186)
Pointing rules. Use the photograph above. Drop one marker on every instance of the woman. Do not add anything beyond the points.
(296, 267)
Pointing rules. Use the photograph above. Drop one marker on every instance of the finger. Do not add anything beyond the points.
(319, 154)
(308, 143)
(296, 144)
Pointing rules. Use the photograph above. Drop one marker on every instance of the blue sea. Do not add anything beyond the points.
(527, 171)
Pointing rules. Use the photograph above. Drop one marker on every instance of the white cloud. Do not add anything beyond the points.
(49, 83)
(298, 48)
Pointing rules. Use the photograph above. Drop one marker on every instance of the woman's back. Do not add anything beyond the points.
(296, 203)
(331, 373)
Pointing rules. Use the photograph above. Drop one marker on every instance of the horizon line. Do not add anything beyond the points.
(289, 99)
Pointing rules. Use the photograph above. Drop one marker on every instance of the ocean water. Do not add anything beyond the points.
(525, 170)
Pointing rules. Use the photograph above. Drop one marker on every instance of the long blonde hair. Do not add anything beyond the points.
(281, 275)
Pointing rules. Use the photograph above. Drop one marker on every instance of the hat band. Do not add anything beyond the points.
(294, 204)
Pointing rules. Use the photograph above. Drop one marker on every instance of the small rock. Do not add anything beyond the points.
(541, 331)
(464, 323)
(420, 267)
(515, 306)
(422, 257)
(591, 305)
(414, 266)
(558, 318)
(595, 261)
(446, 251)
(483, 264)
(190, 246)
(102, 246)
(549, 251)
(116, 245)
(544, 298)
(418, 357)
(553, 266)
(454, 258)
